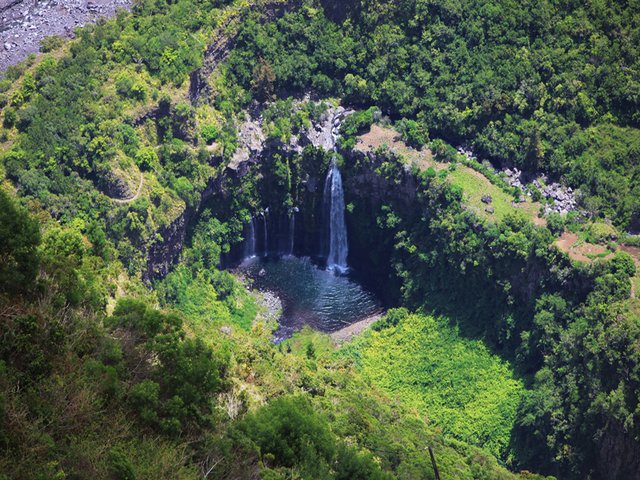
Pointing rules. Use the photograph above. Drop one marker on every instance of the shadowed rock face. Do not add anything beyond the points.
(24, 23)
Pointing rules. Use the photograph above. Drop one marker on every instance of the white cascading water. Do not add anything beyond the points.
(250, 240)
(334, 211)
(292, 229)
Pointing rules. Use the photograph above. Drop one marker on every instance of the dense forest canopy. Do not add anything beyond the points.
(538, 85)
(128, 351)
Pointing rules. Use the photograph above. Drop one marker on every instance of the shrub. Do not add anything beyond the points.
(119, 465)
(413, 133)
(292, 433)
(19, 239)
(210, 133)
(10, 117)
(49, 44)
(555, 223)
(147, 159)
(124, 84)
(183, 377)
(600, 232)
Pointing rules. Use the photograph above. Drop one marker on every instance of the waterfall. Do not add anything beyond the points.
(250, 240)
(334, 214)
(266, 233)
(292, 229)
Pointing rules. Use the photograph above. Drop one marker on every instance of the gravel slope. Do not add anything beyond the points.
(23, 23)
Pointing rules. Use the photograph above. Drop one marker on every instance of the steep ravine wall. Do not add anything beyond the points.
(164, 253)
(379, 190)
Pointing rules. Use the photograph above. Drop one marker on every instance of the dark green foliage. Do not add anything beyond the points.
(119, 465)
(391, 319)
(289, 433)
(555, 223)
(19, 239)
(413, 133)
(177, 393)
(289, 430)
(524, 84)
(507, 284)
(10, 117)
(544, 86)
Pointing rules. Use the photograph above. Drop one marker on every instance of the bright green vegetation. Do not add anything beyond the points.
(456, 383)
(104, 376)
(475, 186)
(137, 395)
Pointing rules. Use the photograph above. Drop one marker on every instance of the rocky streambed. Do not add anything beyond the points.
(24, 23)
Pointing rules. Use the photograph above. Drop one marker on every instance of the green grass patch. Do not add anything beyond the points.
(475, 186)
(457, 383)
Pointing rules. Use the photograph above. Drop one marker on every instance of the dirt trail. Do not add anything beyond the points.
(135, 197)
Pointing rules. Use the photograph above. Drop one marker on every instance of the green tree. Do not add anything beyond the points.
(263, 80)
(19, 240)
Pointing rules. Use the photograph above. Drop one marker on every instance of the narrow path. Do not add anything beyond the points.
(135, 197)
(346, 334)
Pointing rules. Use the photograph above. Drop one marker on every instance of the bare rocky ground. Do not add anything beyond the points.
(347, 333)
(24, 23)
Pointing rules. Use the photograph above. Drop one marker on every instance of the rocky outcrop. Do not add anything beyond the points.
(324, 133)
(366, 182)
(251, 141)
(23, 24)
(561, 199)
(619, 454)
(115, 187)
(165, 252)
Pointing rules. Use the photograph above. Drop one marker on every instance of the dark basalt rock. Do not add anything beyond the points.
(114, 186)
(619, 454)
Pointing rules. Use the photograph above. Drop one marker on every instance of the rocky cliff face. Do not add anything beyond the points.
(163, 254)
(363, 185)
(253, 149)
(366, 183)
(368, 191)
(619, 454)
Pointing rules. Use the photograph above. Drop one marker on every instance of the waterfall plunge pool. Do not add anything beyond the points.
(322, 299)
